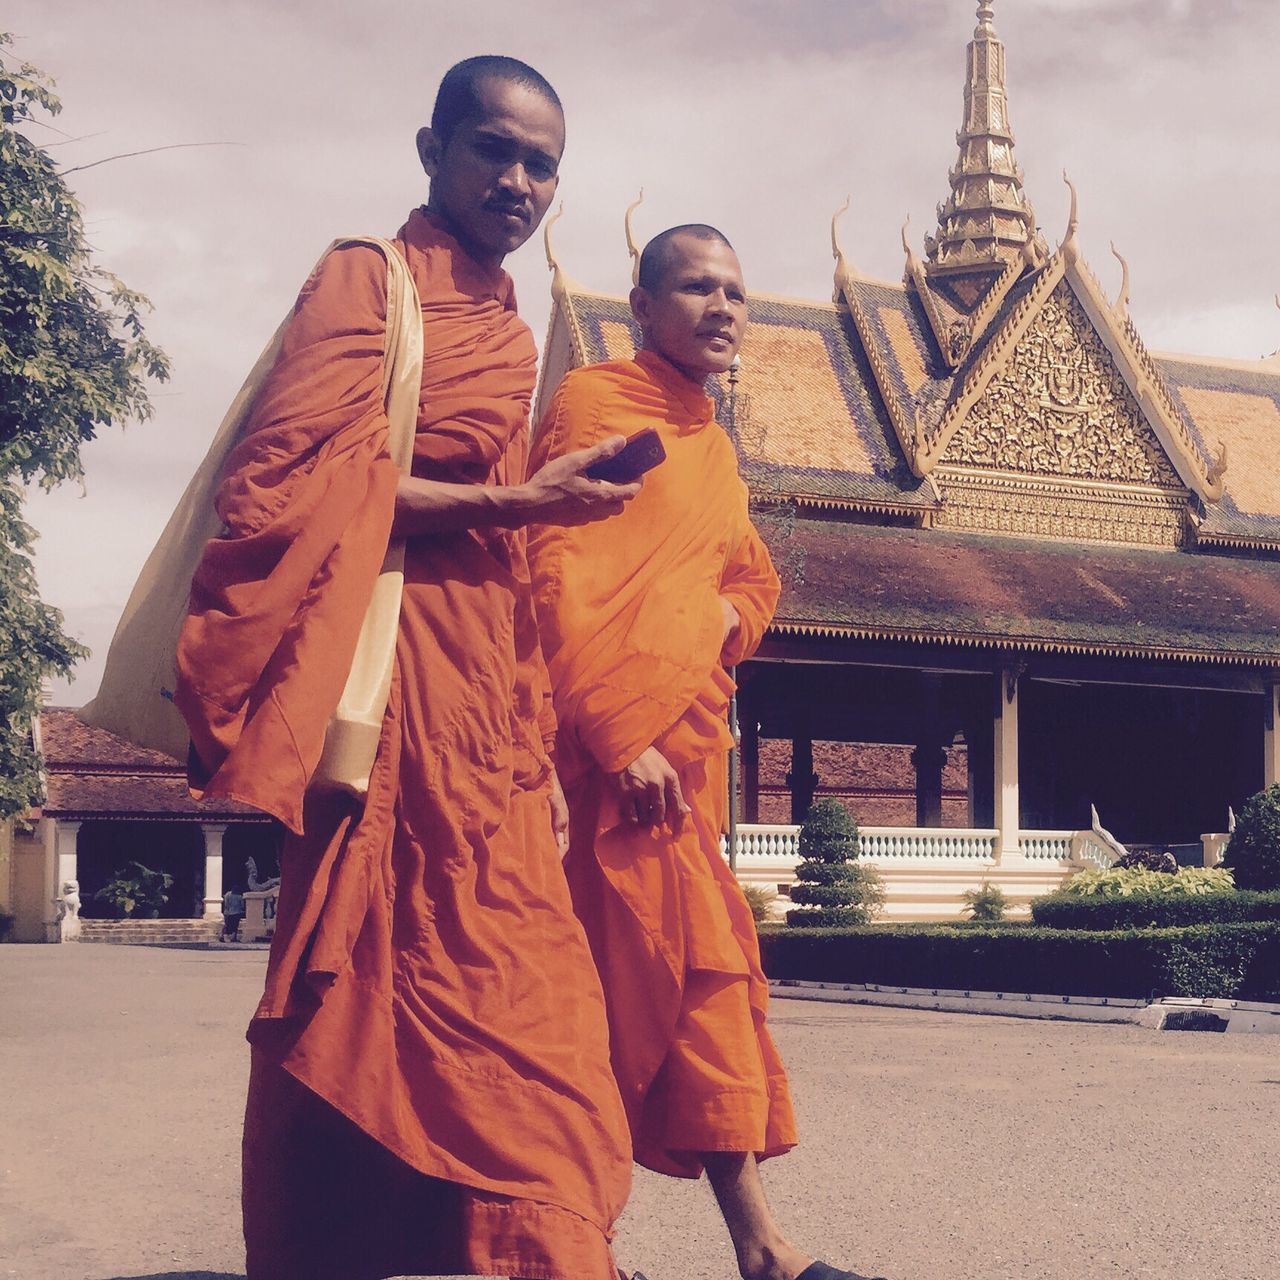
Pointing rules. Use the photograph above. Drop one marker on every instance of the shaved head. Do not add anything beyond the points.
(661, 252)
(459, 97)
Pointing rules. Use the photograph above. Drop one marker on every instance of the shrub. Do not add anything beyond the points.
(135, 890)
(831, 889)
(1224, 960)
(1147, 860)
(1062, 910)
(1121, 882)
(985, 904)
(1253, 852)
(760, 899)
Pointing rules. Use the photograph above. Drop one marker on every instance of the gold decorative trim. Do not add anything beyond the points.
(1029, 644)
(1083, 513)
(763, 498)
(1240, 542)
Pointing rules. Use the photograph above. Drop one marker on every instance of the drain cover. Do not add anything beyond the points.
(1194, 1020)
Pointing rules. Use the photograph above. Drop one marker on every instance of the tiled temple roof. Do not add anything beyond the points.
(1036, 595)
(93, 774)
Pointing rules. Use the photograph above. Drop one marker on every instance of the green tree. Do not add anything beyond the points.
(832, 887)
(73, 360)
(1253, 852)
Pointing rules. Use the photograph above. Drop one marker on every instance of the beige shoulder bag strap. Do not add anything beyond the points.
(135, 698)
(351, 741)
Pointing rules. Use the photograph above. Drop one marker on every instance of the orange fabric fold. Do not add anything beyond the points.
(429, 986)
(632, 631)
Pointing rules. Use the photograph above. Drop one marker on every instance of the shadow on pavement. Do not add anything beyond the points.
(186, 1275)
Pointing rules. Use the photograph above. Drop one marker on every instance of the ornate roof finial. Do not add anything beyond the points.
(1069, 246)
(1122, 300)
(631, 240)
(987, 219)
(553, 263)
(837, 252)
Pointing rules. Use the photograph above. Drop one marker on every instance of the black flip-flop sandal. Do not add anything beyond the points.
(822, 1271)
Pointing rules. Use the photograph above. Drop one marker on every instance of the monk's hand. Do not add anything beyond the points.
(559, 814)
(649, 792)
(560, 494)
(731, 620)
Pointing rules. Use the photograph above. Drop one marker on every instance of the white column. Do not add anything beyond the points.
(213, 833)
(60, 852)
(1270, 756)
(1006, 761)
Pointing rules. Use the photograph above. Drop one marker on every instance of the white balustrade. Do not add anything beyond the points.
(1053, 846)
(949, 844)
(1088, 850)
(762, 843)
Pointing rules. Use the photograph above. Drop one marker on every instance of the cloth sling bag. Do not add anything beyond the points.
(135, 699)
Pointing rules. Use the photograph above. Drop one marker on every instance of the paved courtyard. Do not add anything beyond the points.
(935, 1146)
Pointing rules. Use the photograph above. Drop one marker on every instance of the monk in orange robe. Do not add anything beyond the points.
(430, 1090)
(640, 626)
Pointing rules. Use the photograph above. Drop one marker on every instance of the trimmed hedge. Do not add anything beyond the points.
(1152, 911)
(1220, 960)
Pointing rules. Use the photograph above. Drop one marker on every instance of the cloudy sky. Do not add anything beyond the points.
(759, 116)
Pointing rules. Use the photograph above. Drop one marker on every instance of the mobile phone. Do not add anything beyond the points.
(642, 453)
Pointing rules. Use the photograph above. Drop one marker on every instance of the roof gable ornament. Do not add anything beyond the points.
(553, 263)
(843, 271)
(632, 248)
(1122, 298)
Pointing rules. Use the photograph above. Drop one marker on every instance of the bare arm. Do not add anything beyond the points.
(556, 494)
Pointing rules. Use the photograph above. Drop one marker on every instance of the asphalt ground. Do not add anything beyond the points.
(934, 1146)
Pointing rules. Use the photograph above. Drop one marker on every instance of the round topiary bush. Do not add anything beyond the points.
(1253, 852)
(831, 889)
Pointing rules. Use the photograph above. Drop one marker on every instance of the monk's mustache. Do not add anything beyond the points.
(516, 208)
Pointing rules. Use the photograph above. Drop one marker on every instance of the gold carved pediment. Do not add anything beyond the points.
(1061, 408)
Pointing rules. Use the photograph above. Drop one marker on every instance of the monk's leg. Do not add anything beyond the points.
(764, 1253)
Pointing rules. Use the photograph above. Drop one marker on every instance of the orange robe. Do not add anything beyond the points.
(631, 626)
(430, 1089)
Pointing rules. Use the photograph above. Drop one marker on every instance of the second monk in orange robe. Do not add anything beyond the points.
(430, 1089)
(639, 624)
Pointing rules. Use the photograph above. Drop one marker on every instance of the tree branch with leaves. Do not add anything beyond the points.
(74, 359)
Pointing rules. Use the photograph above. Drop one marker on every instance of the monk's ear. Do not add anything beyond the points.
(641, 305)
(429, 150)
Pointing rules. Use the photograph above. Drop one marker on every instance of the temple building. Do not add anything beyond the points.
(109, 804)
(1015, 545)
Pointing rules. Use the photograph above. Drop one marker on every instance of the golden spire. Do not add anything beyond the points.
(987, 219)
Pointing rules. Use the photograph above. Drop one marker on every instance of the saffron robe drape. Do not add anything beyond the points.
(632, 630)
(432, 1033)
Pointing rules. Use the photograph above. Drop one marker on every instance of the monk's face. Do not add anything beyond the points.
(697, 313)
(493, 179)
